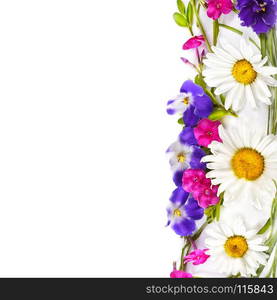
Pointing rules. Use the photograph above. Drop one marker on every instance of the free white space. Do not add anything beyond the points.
(84, 180)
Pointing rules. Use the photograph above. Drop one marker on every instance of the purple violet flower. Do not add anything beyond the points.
(192, 102)
(177, 178)
(187, 136)
(184, 156)
(196, 157)
(182, 212)
(261, 15)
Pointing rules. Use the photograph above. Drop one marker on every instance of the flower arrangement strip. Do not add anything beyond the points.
(216, 166)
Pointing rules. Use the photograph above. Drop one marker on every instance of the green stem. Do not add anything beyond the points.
(199, 231)
(215, 102)
(189, 241)
(265, 227)
(271, 243)
(263, 44)
(272, 48)
(191, 30)
(238, 32)
(199, 23)
(272, 239)
(222, 98)
(272, 270)
(213, 98)
(271, 236)
(217, 208)
(215, 31)
(274, 265)
(184, 250)
(270, 42)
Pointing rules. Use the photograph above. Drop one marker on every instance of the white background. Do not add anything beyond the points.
(84, 180)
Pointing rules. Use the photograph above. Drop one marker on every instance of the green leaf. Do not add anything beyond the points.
(218, 114)
(210, 212)
(199, 80)
(217, 207)
(265, 227)
(181, 121)
(181, 7)
(180, 20)
(190, 14)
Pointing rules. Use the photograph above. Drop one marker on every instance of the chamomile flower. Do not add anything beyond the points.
(244, 165)
(235, 249)
(240, 73)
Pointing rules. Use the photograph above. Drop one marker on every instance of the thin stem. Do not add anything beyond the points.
(269, 49)
(215, 31)
(198, 233)
(238, 32)
(263, 52)
(263, 44)
(271, 241)
(272, 46)
(265, 227)
(199, 23)
(217, 207)
(274, 264)
(198, 56)
(215, 102)
(182, 265)
(222, 98)
(191, 30)
(192, 242)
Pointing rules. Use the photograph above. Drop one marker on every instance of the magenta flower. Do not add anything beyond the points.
(218, 7)
(180, 274)
(193, 178)
(198, 44)
(206, 131)
(206, 195)
(194, 42)
(196, 183)
(198, 257)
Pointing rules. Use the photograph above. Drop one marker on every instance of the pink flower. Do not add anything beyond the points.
(192, 178)
(195, 181)
(206, 131)
(218, 7)
(194, 42)
(198, 44)
(198, 257)
(180, 274)
(206, 195)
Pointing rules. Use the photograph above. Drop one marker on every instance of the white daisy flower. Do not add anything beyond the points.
(240, 73)
(234, 249)
(244, 165)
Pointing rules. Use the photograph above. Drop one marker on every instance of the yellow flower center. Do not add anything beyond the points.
(236, 246)
(177, 213)
(181, 157)
(244, 72)
(262, 7)
(186, 100)
(248, 163)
